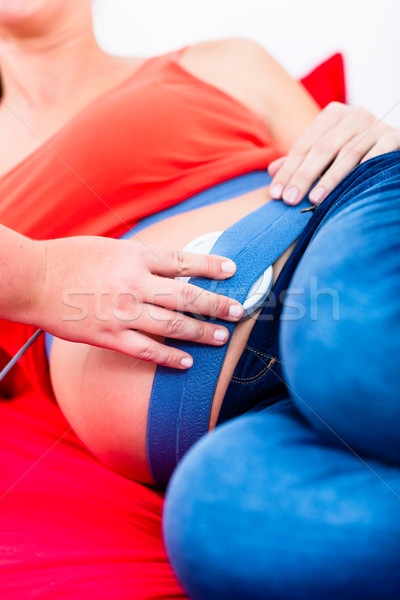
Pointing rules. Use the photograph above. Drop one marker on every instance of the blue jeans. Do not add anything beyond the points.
(301, 499)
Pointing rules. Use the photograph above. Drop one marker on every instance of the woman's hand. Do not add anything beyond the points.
(340, 138)
(118, 294)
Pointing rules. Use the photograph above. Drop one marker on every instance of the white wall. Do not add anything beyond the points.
(298, 33)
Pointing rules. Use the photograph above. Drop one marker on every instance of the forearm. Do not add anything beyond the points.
(22, 269)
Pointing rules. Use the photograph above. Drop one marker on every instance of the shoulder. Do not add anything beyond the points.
(239, 66)
(229, 50)
(245, 70)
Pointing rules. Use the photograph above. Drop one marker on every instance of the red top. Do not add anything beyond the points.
(154, 140)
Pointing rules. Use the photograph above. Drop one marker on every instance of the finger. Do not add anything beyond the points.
(389, 142)
(177, 263)
(358, 149)
(323, 123)
(159, 321)
(142, 347)
(354, 132)
(321, 155)
(275, 165)
(186, 297)
(348, 158)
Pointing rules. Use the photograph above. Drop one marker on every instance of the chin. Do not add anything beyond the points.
(12, 11)
(15, 13)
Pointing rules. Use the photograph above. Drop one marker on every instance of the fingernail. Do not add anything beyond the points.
(236, 311)
(228, 266)
(290, 196)
(186, 363)
(220, 335)
(276, 191)
(317, 194)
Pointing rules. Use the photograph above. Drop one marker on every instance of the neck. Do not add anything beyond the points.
(42, 67)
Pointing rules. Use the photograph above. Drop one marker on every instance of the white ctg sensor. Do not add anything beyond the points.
(259, 290)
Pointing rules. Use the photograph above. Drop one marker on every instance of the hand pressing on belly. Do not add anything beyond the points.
(117, 294)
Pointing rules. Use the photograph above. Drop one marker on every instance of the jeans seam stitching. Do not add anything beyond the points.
(262, 354)
(255, 378)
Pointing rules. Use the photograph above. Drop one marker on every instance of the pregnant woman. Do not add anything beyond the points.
(129, 138)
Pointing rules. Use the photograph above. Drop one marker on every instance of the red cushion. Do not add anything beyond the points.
(326, 83)
(71, 529)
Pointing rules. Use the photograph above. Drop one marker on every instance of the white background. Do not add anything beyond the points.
(299, 33)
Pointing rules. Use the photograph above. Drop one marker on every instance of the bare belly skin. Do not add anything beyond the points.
(104, 394)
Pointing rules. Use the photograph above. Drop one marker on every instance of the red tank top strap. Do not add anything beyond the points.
(177, 54)
(153, 64)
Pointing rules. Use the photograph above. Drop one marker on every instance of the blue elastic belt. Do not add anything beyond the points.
(181, 401)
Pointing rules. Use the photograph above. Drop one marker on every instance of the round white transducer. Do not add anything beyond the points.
(259, 290)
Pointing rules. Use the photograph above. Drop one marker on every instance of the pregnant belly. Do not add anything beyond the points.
(104, 394)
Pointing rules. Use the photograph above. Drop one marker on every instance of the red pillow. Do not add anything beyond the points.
(326, 82)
